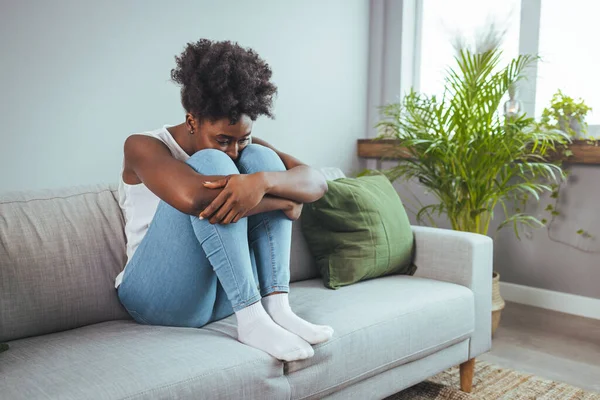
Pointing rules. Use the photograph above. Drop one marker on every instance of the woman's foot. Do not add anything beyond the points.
(257, 329)
(278, 307)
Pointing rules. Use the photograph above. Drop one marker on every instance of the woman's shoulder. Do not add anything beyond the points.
(138, 141)
(152, 144)
(159, 133)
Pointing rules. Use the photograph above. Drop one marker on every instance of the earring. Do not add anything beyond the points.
(191, 131)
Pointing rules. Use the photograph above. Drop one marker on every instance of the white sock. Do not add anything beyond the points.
(278, 307)
(257, 329)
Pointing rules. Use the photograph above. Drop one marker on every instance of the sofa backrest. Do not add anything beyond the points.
(60, 251)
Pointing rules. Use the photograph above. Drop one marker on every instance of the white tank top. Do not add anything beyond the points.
(138, 203)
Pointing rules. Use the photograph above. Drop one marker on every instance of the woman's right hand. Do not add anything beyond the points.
(240, 193)
(293, 211)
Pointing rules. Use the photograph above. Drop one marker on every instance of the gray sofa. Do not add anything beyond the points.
(69, 337)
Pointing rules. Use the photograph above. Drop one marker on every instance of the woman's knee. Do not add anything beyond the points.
(212, 162)
(257, 158)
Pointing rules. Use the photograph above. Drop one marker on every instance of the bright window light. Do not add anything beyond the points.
(443, 19)
(569, 47)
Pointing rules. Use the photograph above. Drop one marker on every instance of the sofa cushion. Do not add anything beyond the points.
(124, 360)
(302, 264)
(359, 230)
(60, 251)
(379, 324)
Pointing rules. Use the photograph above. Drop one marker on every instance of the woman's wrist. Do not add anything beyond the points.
(280, 203)
(266, 182)
(289, 205)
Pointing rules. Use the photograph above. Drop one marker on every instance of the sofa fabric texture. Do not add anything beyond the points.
(126, 360)
(379, 324)
(61, 251)
(377, 329)
(465, 259)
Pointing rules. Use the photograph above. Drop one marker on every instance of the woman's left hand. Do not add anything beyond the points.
(240, 194)
(294, 211)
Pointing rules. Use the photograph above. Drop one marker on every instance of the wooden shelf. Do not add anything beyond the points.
(584, 152)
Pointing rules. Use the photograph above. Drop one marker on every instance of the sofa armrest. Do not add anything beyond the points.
(465, 259)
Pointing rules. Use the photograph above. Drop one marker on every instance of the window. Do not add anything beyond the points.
(567, 41)
(443, 20)
(568, 44)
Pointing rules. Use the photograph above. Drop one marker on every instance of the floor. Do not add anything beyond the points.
(549, 344)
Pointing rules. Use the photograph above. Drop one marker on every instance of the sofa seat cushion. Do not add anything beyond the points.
(124, 360)
(379, 324)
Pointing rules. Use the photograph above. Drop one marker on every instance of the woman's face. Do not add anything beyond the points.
(220, 135)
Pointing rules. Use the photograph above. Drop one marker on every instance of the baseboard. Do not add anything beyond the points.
(551, 300)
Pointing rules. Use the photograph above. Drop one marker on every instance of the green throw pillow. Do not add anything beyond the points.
(359, 230)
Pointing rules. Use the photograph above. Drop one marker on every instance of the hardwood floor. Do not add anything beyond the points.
(549, 344)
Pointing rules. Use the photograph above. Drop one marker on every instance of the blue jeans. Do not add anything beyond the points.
(187, 272)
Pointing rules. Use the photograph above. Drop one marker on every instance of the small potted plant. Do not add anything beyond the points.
(566, 114)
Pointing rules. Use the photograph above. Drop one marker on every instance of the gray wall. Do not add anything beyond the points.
(555, 259)
(78, 76)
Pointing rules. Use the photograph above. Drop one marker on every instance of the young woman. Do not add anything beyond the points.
(209, 209)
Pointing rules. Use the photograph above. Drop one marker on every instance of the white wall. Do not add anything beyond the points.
(77, 77)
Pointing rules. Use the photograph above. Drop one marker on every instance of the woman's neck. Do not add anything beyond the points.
(183, 138)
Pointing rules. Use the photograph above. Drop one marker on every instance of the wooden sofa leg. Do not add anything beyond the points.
(466, 375)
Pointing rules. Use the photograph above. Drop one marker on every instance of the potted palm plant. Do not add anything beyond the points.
(473, 158)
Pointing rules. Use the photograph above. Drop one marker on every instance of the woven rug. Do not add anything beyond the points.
(491, 383)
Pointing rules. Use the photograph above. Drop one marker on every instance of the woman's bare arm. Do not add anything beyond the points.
(299, 183)
(149, 161)
(269, 203)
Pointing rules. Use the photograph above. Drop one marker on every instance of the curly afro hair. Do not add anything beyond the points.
(223, 80)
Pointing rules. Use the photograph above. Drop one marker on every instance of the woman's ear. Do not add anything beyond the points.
(192, 124)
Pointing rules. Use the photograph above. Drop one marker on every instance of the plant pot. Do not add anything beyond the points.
(576, 124)
(497, 302)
